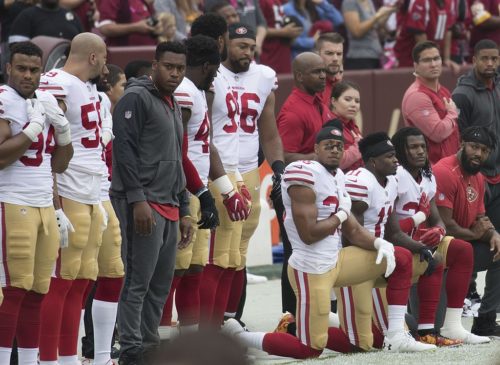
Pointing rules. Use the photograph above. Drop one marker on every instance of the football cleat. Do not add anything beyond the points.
(404, 342)
(439, 341)
(232, 328)
(285, 320)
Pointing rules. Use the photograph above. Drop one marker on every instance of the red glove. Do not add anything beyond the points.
(236, 206)
(430, 236)
(424, 205)
(246, 196)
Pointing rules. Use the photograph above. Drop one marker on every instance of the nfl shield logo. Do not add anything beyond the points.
(128, 114)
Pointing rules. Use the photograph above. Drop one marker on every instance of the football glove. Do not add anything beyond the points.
(36, 117)
(431, 236)
(65, 227)
(209, 216)
(236, 206)
(426, 255)
(58, 120)
(385, 250)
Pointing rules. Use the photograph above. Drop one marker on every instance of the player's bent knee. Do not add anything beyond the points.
(41, 285)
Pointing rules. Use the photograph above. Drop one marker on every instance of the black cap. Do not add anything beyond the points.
(241, 30)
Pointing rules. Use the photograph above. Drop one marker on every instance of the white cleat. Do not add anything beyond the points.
(255, 279)
(232, 328)
(465, 336)
(404, 342)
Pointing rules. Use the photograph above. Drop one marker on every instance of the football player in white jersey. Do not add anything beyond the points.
(418, 216)
(79, 191)
(317, 209)
(253, 87)
(35, 141)
(203, 60)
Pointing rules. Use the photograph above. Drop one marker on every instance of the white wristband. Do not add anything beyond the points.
(32, 131)
(223, 185)
(342, 216)
(238, 176)
(64, 138)
(419, 218)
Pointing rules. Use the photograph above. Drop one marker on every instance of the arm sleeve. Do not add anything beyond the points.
(126, 144)
(331, 13)
(291, 130)
(21, 29)
(420, 111)
(464, 109)
(193, 181)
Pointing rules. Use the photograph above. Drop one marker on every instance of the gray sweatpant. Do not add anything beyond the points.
(149, 267)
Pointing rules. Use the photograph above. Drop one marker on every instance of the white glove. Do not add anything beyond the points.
(105, 217)
(58, 120)
(385, 250)
(344, 210)
(36, 117)
(65, 227)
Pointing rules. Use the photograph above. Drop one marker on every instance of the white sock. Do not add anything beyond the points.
(230, 315)
(396, 319)
(188, 329)
(425, 326)
(104, 318)
(252, 339)
(5, 355)
(69, 360)
(453, 321)
(28, 356)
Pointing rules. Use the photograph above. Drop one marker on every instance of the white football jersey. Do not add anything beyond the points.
(363, 186)
(28, 180)
(320, 256)
(225, 119)
(410, 192)
(251, 88)
(105, 115)
(188, 96)
(81, 181)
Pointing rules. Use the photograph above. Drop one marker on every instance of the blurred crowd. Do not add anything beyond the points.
(379, 33)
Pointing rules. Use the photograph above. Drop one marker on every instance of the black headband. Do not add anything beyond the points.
(241, 30)
(479, 135)
(329, 133)
(378, 149)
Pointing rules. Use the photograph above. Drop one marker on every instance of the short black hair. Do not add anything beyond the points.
(420, 47)
(211, 25)
(26, 48)
(114, 74)
(369, 141)
(484, 44)
(201, 49)
(400, 142)
(341, 87)
(137, 68)
(174, 47)
(331, 37)
(218, 5)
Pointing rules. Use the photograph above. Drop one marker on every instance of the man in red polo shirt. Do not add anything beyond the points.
(330, 47)
(428, 106)
(460, 200)
(131, 25)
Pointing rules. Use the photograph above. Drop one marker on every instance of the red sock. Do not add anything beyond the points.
(222, 296)
(108, 289)
(338, 341)
(187, 299)
(51, 317)
(87, 292)
(9, 313)
(211, 277)
(378, 337)
(235, 291)
(284, 344)
(166, 318)
(460, 260)
(398, 284)
(28, 325)
(429, 290)
(68, 337)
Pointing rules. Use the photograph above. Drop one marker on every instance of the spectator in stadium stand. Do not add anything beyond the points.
(281, 31)
(486, 20)
(299, 120)
(138, 68)
(170, 32)
(245, 11)
(128, 23)
(346, 104)
(422, 20)
(310, 12)
(363, 21)
(47, 18)
(428, 106)
(169, 6)
(330, 47)
(86, 10)
(460, 192)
